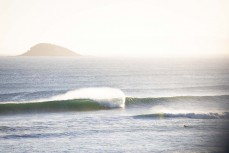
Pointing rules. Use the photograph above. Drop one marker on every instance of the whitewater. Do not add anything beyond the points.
(113, 105)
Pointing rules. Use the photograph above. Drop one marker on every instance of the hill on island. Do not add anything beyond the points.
(45, 49)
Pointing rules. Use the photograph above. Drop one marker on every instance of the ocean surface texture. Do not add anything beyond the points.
(89, 104)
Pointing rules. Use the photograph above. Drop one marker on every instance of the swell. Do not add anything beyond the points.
(51, 106)
(224, 115)
(130, 101)
(29, 96)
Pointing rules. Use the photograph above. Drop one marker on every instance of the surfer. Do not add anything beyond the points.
(185, 125)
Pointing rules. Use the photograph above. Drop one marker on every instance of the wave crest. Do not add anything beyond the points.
(108, 97)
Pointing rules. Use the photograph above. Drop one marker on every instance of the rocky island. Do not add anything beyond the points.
(45, 49)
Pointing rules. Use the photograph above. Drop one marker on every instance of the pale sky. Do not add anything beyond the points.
(138, 28)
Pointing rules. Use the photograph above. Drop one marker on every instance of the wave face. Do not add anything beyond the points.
(224, 115)
(77, 100)
(51, 106)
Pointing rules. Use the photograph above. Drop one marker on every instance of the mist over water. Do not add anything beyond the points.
(98, 103)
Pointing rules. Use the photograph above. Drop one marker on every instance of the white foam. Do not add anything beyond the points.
(109, 97)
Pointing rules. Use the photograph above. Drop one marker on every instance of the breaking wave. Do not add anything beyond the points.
(224, 115)
(77, 100)
(87, 99)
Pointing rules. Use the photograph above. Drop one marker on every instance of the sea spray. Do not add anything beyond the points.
(109, 97)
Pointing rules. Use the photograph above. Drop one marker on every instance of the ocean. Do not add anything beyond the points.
(94, 104)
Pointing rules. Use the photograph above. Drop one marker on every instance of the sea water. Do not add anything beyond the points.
(91, 104)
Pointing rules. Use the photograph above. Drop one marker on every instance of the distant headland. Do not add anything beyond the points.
(45, 49)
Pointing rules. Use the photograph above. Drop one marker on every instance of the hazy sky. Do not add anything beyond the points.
(157, 28)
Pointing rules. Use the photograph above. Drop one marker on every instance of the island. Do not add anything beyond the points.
(46, 49)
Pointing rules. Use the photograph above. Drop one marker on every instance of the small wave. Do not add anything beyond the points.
(224, 115)
(140, 101)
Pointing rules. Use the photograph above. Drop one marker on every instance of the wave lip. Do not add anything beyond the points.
(224, 115)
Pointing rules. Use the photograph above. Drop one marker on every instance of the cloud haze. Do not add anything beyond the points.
(117, 27)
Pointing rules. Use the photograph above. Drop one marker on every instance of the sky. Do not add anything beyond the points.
(129, 28)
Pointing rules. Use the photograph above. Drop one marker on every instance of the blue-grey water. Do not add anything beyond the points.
(90, 104)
